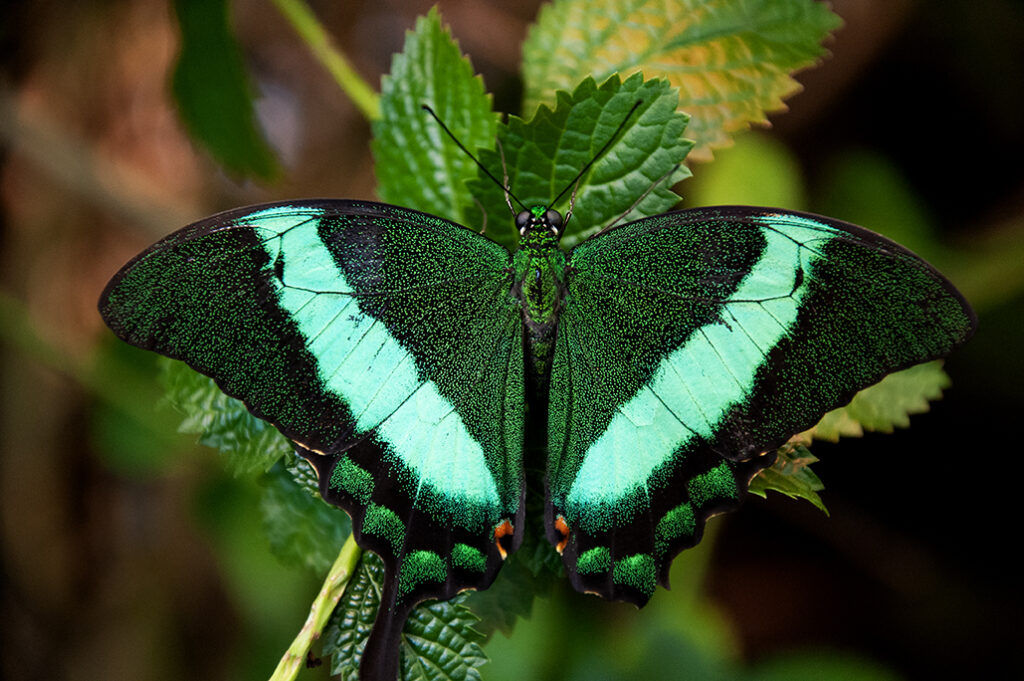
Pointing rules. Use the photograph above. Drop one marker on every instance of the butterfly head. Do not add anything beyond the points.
(539, 220)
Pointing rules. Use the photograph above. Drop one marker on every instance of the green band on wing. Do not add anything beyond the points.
(711, 372)
(358, 359)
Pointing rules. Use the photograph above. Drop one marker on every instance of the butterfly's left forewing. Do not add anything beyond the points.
(385, 344)
(692, 344)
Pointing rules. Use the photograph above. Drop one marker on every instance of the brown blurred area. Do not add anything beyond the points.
(106, 562)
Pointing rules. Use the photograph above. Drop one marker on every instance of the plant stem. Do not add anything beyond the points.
(312, 32)
(320, 611)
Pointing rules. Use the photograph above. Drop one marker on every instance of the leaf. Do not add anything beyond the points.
(791, 475)
(894, 210)
(416, 164)
(759, 170)
(886, 405)
(212, 90)
(730, 60)
(438, 643)
(252, 446)
(346, 634)
(302, 528)
(881, 407)
(303, 474)
(544, 156)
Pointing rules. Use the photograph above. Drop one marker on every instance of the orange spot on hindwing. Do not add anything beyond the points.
(563, 529)
(500, 532)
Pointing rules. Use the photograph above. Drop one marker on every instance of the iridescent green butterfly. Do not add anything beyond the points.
(412, 361)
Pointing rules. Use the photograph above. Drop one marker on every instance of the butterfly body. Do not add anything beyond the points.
(411, 361)
(539, 267)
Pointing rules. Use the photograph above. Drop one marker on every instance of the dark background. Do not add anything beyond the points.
(128, 552)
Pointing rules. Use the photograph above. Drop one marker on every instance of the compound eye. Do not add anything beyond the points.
(523, 219)
(553, 218)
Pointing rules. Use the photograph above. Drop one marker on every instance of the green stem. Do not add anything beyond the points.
(330, 593)
(312, 32)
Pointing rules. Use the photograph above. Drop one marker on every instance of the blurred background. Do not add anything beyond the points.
(129, 552)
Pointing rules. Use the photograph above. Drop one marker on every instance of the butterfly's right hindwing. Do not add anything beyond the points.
(385, 343)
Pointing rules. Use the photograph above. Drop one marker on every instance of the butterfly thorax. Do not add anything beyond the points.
(539, 266)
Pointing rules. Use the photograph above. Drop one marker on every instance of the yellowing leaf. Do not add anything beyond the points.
(732, 61)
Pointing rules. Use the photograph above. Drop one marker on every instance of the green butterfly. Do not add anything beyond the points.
(418, 366)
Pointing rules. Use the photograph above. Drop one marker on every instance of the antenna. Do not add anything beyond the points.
(504, 185)
(508, 192)
(598, 154)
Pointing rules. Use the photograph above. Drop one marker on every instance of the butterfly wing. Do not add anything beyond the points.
(384, 343)
(693, 342)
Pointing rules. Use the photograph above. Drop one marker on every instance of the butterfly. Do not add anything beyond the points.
(422, 369)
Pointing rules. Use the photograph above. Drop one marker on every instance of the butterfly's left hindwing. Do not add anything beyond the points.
(385, 343)
(690, 346)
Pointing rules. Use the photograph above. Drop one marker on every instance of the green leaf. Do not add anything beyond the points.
(543, 157)
(758, 171)
(791, 475)
(416, 164)
(730, 60)
(886, 405)
(894, 209)
(509, 598)
(302, 528)
(303, 475)
(345, 636)
(212, 90)
(252, 445)
(439, 642)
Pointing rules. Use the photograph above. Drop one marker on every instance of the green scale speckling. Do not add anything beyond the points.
(382, 522)
(468, 558)
(421, 567)
(398, 351)
(352, 479)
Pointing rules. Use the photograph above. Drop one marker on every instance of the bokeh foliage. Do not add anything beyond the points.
(124, 445)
